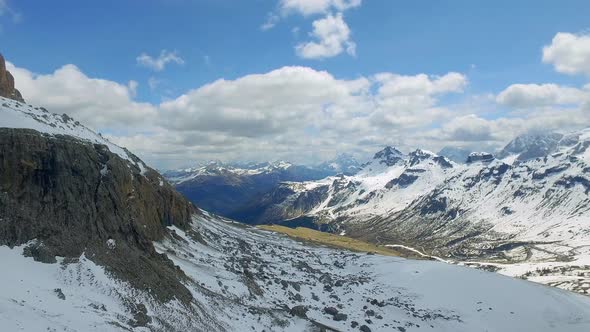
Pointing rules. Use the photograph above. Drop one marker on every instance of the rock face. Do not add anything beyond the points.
(479, 157)
(65, 197)
(7, 88)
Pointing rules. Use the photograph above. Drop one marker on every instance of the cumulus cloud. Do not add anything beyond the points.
(294, 113)
(404, 100)
(302, 114)
(540, 95)
(159, 63)
(311, 7)
(96, 102)
(569, 53)
(260, 104)
(468, 128)
(332, 37)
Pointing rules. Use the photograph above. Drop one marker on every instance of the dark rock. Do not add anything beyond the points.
(365, 328)
(53, 192)
(39, 253)
(340, 317)
(299, 311)
(330, 311)
(403, 181)
(59, 293)
(480, 157)
(140, 316)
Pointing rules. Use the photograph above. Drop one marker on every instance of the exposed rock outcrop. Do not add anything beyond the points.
(7, 88)
(66, 197)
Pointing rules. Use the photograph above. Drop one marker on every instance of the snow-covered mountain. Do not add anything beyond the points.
(528, 211)
(92, 239)
(228, 189)
(530, 146)
(389, 182)
(217, 168)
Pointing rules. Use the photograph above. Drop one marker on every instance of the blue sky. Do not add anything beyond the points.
(494, 45)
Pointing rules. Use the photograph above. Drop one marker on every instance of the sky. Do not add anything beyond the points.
(185, 81)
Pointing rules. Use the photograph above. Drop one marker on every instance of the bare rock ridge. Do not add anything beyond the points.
(7, 88)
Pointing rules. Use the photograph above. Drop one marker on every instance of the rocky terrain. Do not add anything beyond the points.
(525, 215)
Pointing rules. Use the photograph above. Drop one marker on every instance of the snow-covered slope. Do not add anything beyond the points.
(247, 279)
(15, 114)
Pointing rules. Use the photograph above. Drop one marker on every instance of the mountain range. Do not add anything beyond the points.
(228, 188)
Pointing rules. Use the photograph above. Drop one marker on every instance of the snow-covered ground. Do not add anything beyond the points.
(249, 279)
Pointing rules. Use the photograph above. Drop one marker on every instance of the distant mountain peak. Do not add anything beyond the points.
(389, 156)
(531, 145)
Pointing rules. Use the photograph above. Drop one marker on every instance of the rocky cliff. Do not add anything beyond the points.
(63, 195)
(7, 88)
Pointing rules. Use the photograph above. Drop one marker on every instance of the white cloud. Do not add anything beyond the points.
(541, 95)
(332, 37)
(260, 104)
(95, 102)
(294, 113)
(159, 63)
(410, 101)
(569, 53)
(298, 114)
(468, 128)
(271, 20)
(311, 7)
